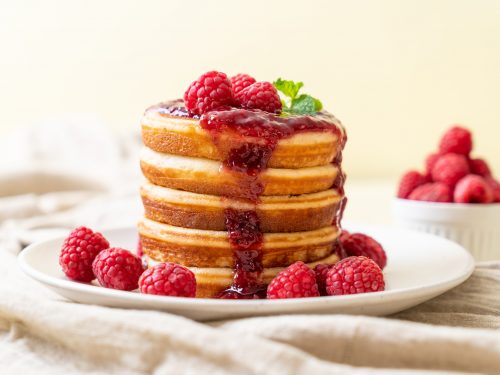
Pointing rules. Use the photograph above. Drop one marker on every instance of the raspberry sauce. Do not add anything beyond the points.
(246, 241)
(254, 135)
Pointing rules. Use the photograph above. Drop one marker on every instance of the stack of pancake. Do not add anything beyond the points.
(188, 193)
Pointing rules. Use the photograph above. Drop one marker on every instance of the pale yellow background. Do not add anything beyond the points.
(397, 73)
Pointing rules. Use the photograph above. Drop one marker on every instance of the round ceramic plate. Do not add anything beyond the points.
(420, 266)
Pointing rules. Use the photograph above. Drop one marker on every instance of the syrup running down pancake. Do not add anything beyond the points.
(167, 128)
(211, 177)
(240, 193)
(278, 213)
(204, 248)
(212, 281)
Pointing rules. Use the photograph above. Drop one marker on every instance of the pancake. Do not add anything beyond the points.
(211, 281)
(282, 213)
(204, 248)
(181, 135)
(205, 176)
(237, 195)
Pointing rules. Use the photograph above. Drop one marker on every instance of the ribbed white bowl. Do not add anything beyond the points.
(476, 227)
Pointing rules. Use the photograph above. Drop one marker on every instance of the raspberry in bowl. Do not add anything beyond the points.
(456, 197)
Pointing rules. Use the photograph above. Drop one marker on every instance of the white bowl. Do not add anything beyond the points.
(475, 226)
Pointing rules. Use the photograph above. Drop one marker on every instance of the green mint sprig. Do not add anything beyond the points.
(302, 104)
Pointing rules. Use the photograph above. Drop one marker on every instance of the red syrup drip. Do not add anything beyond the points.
(254, 135)
(339, 185)
(339, 249)
(246, 240)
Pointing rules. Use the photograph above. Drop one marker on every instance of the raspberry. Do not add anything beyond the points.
(117, 268)
(259, 95)
(354, 275)
(429, 163)
(320, 271)
(479, 167)
(296, 281)
(358, 244)
(343, 235)
(241, 81)
(409, 182)
(473, 189)
(209, 92)
(168, 279)
(457, 140)
(432, 192)
(495, 187)
(450, 168)
(79, 251)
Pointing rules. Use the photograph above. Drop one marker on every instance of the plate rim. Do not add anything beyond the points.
(175, 302)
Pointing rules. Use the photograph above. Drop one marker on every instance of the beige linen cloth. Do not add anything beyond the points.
(42, 194)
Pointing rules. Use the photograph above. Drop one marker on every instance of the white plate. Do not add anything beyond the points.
(420, 266)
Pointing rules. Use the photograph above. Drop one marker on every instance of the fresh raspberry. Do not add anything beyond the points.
(168, 279)
(259, 95)
(320, 271)
(117, 268)
(479, 167)
(430, 160)
(457, 140)
(354, 275)
(495, 187)
(432, 192)
(409, 182)
(241, 81)
(473, 189)
(296, 281)
(79, 251)
(343, 235)
(209, 92)
(359, 244)
(450, 168)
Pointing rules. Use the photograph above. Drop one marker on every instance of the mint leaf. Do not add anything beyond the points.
(302, 104)
(318, 105)
(288, 88)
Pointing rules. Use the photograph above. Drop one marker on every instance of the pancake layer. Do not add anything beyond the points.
(276, 213)
(205, 176)
(204, 248)
(184, 136)
(211, 281)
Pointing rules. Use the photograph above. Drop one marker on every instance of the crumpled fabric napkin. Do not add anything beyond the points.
(67, 171)
(41, 332)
